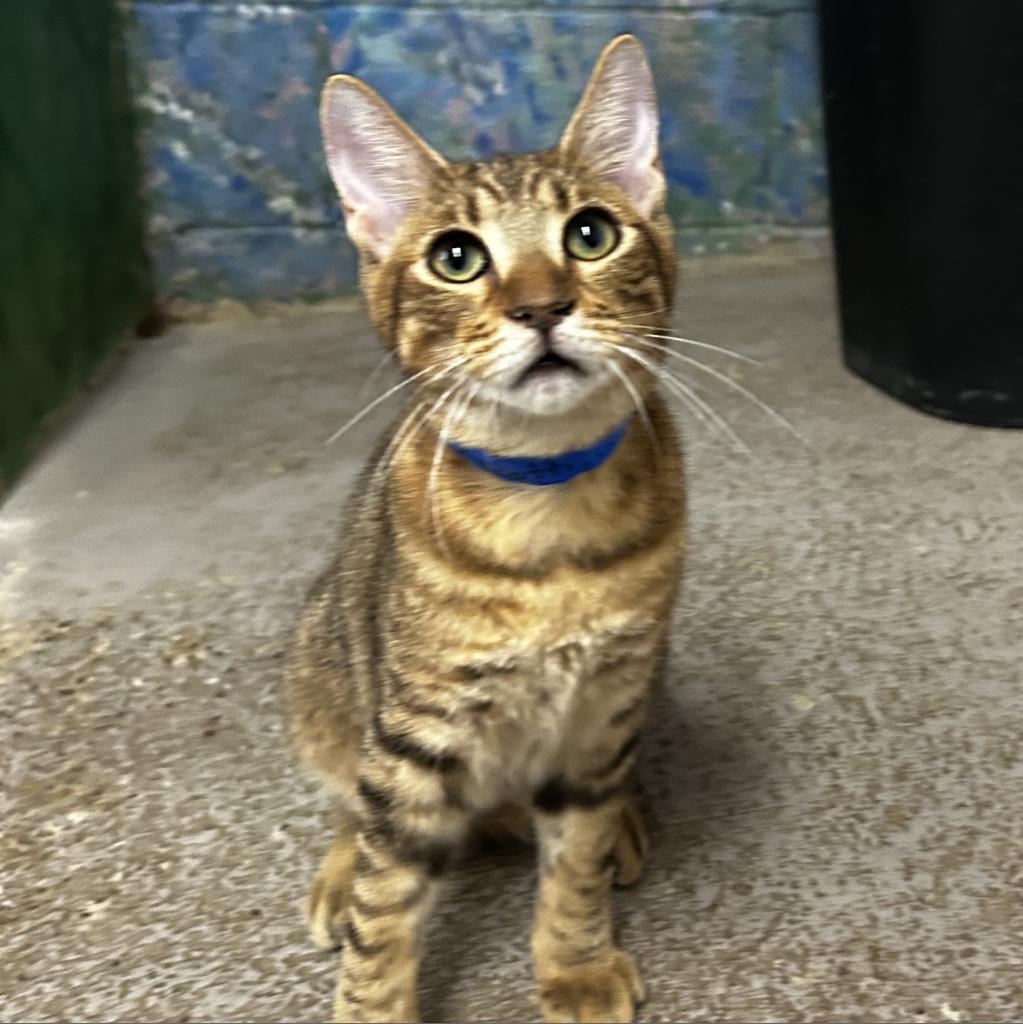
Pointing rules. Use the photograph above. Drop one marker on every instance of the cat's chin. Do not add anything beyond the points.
(545, 416)
(553, 393)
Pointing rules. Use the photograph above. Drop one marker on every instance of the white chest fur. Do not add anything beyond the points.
(536, 706)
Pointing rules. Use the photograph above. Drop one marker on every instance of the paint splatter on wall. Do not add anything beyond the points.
(239, 199)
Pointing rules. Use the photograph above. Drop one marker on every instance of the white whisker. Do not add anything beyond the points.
(696, 344)
(637, 314)
(636, 400)
(366, 410)
(704, 411)
(658, 373)
(431, 485)
(404, 433)
(755, 399)
(408, 430)
(373, 374)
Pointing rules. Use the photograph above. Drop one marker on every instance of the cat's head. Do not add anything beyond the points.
(513, 278)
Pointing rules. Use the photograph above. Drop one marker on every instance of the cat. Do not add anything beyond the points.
(484, 642)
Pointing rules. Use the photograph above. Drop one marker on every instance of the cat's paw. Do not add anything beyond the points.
(398, 1009)
(608, 989)
(327, 906)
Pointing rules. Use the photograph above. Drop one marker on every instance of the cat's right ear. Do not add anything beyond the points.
(379, 165)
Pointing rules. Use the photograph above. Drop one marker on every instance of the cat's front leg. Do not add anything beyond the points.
(409, 831)
(380, 952)
(582, 975)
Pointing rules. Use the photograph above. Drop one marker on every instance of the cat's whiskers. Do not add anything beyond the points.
(637, 401)
(455, 412)
(657, 342)
(768, 410)
(720, 349)
(402, 435)
(638, 314)
(367, 409)
(617, 325)
(700, 407)
(408, 430)
(373, 374)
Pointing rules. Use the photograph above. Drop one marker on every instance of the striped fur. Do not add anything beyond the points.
(481, 648)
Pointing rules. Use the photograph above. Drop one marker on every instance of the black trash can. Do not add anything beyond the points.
(923, 104)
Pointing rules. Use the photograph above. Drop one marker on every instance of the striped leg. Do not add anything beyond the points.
(590, 835)
(393, 894)
(583, 976)
(413, 821)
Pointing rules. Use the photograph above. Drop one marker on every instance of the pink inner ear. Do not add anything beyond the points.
(376, 212)
(379, 167)
(616, 129)
(637, 174)
(373, 211)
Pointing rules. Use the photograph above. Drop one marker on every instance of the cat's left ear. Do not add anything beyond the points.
(613, 131)
(380, 167)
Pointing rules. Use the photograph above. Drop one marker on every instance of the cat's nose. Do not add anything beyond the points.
(541, 315)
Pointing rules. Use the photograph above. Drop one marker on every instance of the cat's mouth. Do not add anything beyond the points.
(547, 365)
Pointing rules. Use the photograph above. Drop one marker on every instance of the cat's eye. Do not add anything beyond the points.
(590, 234)
(458, 256)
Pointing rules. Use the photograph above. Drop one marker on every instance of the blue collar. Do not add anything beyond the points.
(541, 470)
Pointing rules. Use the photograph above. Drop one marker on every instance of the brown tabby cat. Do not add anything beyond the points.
(486, 637)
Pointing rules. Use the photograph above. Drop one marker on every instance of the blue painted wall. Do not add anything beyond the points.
(240, 202)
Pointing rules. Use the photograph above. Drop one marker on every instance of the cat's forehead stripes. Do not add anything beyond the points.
(490, 188)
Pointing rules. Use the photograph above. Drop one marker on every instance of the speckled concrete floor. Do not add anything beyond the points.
(836, 776)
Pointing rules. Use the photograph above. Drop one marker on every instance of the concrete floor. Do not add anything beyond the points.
(836, 778)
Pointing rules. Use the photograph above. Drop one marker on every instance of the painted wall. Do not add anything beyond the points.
(240, 201)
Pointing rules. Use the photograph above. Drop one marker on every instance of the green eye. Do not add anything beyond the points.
(459, 257)
(590, 234)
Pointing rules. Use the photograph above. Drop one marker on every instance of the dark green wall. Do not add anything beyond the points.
(73, 274)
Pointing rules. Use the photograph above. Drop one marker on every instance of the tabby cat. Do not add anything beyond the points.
(483, 644)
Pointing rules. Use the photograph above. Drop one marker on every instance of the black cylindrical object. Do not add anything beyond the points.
(923, 105)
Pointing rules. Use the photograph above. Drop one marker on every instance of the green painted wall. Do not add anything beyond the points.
(73, 273)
